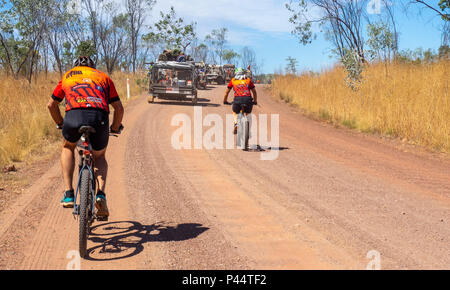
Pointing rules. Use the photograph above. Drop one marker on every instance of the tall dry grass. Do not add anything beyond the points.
(410, 101)
(25, 123)
(120, 81)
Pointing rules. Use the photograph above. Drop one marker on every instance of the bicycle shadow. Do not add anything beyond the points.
(275, 148)
(124, 239)
(208, 88)
(259, 148)
(200, 102)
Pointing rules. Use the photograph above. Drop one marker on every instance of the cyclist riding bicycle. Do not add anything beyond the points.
(243, 90)
(88, 93)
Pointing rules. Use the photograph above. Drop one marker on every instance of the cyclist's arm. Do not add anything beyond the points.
(225, 98)
(255, 95)
(53, 104)
(118, 115)
(115, 102)
(53, 107)
(227, 92)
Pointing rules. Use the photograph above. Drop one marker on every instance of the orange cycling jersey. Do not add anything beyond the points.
(85, 87)
(242, 88)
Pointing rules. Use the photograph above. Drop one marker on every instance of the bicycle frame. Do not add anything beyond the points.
(86, 162)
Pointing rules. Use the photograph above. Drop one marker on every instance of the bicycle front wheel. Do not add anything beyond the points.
(85, 185)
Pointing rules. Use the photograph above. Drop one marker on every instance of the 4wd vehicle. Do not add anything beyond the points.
(229, 72)
(200, 70)
(171, 80)
(215, 74)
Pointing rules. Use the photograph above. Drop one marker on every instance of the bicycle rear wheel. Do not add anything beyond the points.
(243, 132)
(246, 133)
(85, 196)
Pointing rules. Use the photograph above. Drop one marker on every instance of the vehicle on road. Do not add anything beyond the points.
(170, 80)
(229, 72)
(200, 80)
(215, 74)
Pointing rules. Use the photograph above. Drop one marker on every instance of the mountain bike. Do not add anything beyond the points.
(86, 189)
(243, 127)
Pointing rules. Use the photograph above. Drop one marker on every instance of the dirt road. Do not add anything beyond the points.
(328, 199)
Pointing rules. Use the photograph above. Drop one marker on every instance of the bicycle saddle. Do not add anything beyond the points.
(86, 129)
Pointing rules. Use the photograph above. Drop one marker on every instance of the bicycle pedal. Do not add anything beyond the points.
(102, 218)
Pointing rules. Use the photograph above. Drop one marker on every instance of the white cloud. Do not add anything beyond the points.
(247, 20)
(261, 15)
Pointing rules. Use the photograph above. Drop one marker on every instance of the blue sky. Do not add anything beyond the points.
(264, 26)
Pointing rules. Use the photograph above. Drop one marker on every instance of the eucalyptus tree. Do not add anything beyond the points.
(342, 21)
(217, 41)
(172, 32)
(137, 11)
(22, 27)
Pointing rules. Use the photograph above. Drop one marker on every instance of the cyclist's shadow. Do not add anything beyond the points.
(124, 239)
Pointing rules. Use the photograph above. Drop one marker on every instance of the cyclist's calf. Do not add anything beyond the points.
(68, 163)
(101, 168)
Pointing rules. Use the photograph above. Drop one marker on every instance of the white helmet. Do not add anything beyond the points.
(240, 74)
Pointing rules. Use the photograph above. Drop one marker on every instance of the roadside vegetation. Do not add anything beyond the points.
(413, 102)
(374, 87)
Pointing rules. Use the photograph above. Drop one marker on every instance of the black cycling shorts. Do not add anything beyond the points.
(97, 119)
(247, 102)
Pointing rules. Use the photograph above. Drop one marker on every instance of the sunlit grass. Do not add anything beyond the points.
(410, 101)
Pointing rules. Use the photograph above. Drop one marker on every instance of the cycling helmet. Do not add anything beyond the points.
(239, 71)
(84, 61)
(240, 74)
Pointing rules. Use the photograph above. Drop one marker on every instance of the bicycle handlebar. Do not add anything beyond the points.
(115, 133)
(111, 132)
(228, 103)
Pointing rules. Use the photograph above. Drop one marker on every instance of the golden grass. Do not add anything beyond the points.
(412, 102)
(25, 123)
(120, 81)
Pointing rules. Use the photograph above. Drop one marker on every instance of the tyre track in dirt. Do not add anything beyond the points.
(233, 216)
(187, 238)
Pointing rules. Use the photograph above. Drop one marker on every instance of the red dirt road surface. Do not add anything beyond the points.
(330, 200)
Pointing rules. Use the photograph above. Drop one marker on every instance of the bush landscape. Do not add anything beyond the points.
(405, 100)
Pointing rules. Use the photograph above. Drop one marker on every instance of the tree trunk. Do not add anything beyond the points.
(8, 57)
